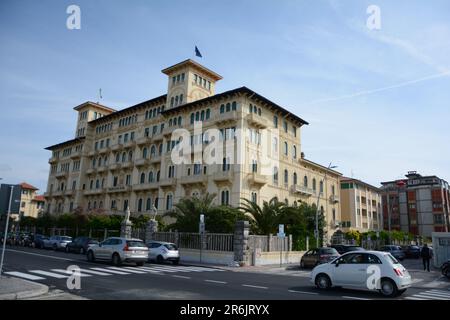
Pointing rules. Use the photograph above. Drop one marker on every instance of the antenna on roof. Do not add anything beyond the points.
(99, 94)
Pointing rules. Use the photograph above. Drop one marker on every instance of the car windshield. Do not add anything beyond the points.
(328, 251)
(66, 238)
(391, 257)
(170, 246)
(135, 243)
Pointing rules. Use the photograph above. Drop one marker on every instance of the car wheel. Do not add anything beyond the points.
(116, 259)
(175, 262)
(302, 264)
(90, 256)
(159, 259)
(388, 288)
(447, 273)
(140, 263)
(323, 281)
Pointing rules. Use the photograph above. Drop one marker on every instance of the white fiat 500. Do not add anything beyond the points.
(367, 270)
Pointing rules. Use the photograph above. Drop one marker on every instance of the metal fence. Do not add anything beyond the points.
(186, 240)
(269, 243)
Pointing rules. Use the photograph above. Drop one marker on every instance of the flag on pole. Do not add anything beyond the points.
(197, 52)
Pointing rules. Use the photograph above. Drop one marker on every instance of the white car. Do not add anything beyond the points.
(56, 242)
(369, 270)
(163, 251)
(118, 250)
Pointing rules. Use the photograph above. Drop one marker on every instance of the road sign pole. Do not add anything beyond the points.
(6, 230)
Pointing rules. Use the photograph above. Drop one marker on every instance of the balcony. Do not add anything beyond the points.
(302, 190)
(256, 178)
(223, 176)
(76, 154)
(227, 117)
(157, 137)
(53, 160)
(62, 175)
(195, 179)
(118, 189)
(146, 186)
(92, 153)
(142, 162)
(155, 159)
(142, 141)
(117, 146)
(115, 166)
(91, 171)
(169, 182)
(167, 131)
(126, 165)
(334, 198)
(69, 192)
(101, 169)
(94, 192)
(48, 194)
(130, 144)
(58, 193)
(104, 150)
(257, 121)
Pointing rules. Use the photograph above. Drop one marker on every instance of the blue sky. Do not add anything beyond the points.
(378, 101)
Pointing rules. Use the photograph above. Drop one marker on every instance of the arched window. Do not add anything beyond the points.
(103, 182)
(225, 197)
(314, 184)
(117, 157)
(208, 113)
(153, 151)
(202, 115)
(124, 156)
(150, 177)
(197, 116)
(100, 205)
(130, 156)
(176, 100)
(160, 149)
(95, 204)
(322, 211)
(192, 118)
(259, 111)
(139, 205)
(255, 110)
(333, 190)
(222, 108)
(125, 205)
(250, 108)
(100, 161)
(305, 181)
(157, 176)
(170, 122)
(321, 186)
(275, 175)
(254, 197)
(179, 120)
(144, 153)
(142, 177)
(275, 146)
(286, 201)
(233, 106)
(169, 201)
(148, 205)
(228, 107)
(294, 152)
(285, 148)
(97, 184)
(295, 178)
(286, 176)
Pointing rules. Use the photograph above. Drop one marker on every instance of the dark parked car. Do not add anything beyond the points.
(412, 251)
(396, 251)
(39, 240)
(317, 256)
(80, 244)
(343, 248)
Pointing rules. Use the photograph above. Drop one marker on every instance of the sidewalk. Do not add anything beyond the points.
(14, 289)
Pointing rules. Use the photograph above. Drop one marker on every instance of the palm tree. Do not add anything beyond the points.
(265, 220)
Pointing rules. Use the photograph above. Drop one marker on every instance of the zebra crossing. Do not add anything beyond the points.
(434, 294)
(40, 275)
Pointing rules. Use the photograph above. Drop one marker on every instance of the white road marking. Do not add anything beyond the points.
(49, 274)
(429, 297)
(40, 255)
(183, 277)
(356, 298)
(110, 271)
(70, 272)
(24, 275)
(216, 281)
(167, 269)
(98, 273)
(149, 269)
(414, 298)
(305, 292)
(252, 286)
(126, 270)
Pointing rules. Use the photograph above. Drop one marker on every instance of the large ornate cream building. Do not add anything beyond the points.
(124, 158)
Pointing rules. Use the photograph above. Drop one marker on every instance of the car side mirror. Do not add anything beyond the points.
(337, 264)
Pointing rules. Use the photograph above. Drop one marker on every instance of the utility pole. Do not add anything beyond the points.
(6, 230)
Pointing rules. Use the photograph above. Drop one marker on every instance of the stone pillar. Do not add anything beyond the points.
(240, 242)
(290, 242)
(152, 227)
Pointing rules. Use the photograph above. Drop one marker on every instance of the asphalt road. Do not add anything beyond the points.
(154, 281)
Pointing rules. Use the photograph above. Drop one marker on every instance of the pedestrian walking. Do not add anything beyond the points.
(426, 255)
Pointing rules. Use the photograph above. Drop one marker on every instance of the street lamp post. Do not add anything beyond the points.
(6, 229)
(316, 231)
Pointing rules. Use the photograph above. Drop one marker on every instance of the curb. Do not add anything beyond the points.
(41, 290)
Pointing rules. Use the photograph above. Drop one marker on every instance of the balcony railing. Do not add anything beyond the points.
(157, 137)
(195, 179)
(226, 117)
(167, 182)
(76, 154)
(142, 162)
(155, 159)
(115, 166)
(119, 189)
(302, 190)
(142, 141)
(117, 146)
(334, 198)
(257, 178)
(130, 144)
(146, 186)
(257, 121)
(223, 176)
(62, 174)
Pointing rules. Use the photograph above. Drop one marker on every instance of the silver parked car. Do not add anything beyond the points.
(118, 250)
(56, 242)
(163, 251)
(396, 251)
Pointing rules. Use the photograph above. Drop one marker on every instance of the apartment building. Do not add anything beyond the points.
(126, 158)
(361, 206)
(418, 205)
(31, 204)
